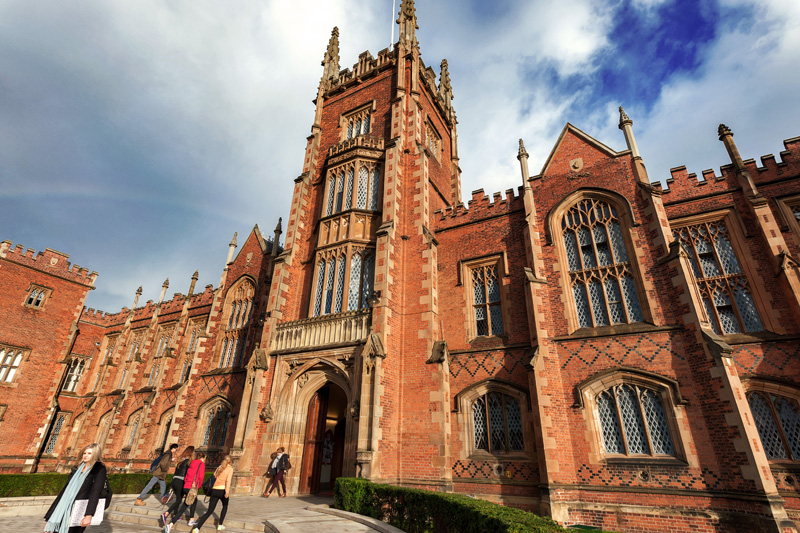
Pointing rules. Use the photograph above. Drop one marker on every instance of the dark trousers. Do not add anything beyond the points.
(216, 495)
(278, 479)
(182, 506)
(177, 488)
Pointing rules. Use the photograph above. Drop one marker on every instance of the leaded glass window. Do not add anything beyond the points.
(10, 359)
(320, 285)
(360, 179)
(367, 277)
(601, 275)
(358, 123)
(240, 308)
(331, 192)
(497, 423)
(348, 196)
(217, 426)
(51, 444)
(337, 308)
(777, 419)
(363, 184)
(36, 297)
(375, 185)
(633, 421)
(74, 374)
(134, 428)
(723, 285)
(486, 301)
(339, 193)
(432, 140)
(329, 287)
(354, 291)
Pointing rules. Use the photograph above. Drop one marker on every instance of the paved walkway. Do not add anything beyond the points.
(246, 514)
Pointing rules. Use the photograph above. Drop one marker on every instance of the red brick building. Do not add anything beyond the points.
(590, 346)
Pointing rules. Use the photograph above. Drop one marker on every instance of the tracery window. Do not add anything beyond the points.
(633, 421)
(111, 343)
(778, 421)
(56, 431)
(103, 425)
(723, 285)
(161, 350)
(133, 429)
(353, 184)
(497, 423)
(487, 309)
(600, 272)
(37, 296)
(10, 359)
(136, 341)
(340, 287)
(357, 123)
(240, 309)
(217, 422)
(76, 368)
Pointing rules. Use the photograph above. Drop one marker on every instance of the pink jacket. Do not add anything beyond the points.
(197, 469)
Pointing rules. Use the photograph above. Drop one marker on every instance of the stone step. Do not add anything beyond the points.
(152, 518)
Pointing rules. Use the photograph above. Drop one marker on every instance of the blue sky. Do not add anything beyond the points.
(138, 137)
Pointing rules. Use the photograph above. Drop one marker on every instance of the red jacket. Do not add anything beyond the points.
(197, 470)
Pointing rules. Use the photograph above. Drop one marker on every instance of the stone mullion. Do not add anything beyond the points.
(639, 392)
(786, 444)
(621, 420)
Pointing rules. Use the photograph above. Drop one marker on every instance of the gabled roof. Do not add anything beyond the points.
(588, 139)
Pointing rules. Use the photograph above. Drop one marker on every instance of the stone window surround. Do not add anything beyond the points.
(203, 413)
(61, 434)
(465, 268)
(432, 141)
(668, 392)
(462, 403)
(737, 233)
(341, 172)
(347, 250)
(243, 289)
(627, 222)
(43, 295)
(778, 388)
(344, 118)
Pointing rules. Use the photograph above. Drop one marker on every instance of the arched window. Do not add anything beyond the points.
(133, 429)
(723, 284)
(103, 425)
(239, 308)
(778, 421)
(74, 374)
(10, 359)
(218, 418)
(360, 179)
(51, 443)
(600, 272)
(36, 297)
(497, 423)
(633, 421)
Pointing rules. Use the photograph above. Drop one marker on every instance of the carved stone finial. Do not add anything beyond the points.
(278, 227)
(445, 88)
(623, 118)
(723, 130)
(196, 275)
(166, 283)
(522, 152)
(233, 241)
(330, 61)
(408, 23)
(267, 414)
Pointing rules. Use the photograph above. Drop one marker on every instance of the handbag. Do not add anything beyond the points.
(79, 511)
(191, 496)
(208, 484)
(105, 494)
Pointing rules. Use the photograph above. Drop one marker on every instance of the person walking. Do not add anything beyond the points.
(84, 483)
(177, 483)
(279, 466)
(193, 479)
(159, 471)
(219, 492)
(271, 473)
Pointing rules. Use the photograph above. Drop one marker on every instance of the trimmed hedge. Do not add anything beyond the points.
(423, 511)
(50, 484)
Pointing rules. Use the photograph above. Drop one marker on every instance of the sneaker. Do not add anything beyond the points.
(220, 527)
(139, 502)
(196, 530)
(164, 517)
(167, 527)
(192, 522)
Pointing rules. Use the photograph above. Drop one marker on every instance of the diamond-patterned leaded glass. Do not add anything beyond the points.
(497, 423)
(486, 300)
(363, 183)
(339, 192)
(375, 185)
(320, 285)
(600, 271)
(369, 274)
(339, 285)
(657, 423)
(723, 285)
(355, 283)
(479, 423)
(348, 194)
(51, 444)
(329, 287)
(331, 192)
(609, 423)
(790, 422)
(632, 418)
(767, 426)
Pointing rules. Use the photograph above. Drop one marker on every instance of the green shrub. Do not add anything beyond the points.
(422, 511)
(50, 484)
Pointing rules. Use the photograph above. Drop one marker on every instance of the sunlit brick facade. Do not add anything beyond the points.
(587, 346)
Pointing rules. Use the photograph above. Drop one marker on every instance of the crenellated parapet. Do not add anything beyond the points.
(683, 184)
(51, 261)
(367, 67)
(480, 207)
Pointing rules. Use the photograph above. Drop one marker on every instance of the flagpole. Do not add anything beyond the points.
(391, 42)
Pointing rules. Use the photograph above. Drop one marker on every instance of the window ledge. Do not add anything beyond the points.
(751, 338)
(226, 370)
(645, 460)
(499, 458)
(613, 331)
(489, 341)
(786, 465)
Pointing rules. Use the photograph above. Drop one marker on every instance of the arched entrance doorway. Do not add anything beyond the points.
(323, 449)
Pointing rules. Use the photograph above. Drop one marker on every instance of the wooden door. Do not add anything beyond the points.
(312, 451)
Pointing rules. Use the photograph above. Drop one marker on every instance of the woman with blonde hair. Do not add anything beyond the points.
(86, 482)
(220, 491)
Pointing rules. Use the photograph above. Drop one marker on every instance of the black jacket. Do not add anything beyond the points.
(90, 490)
